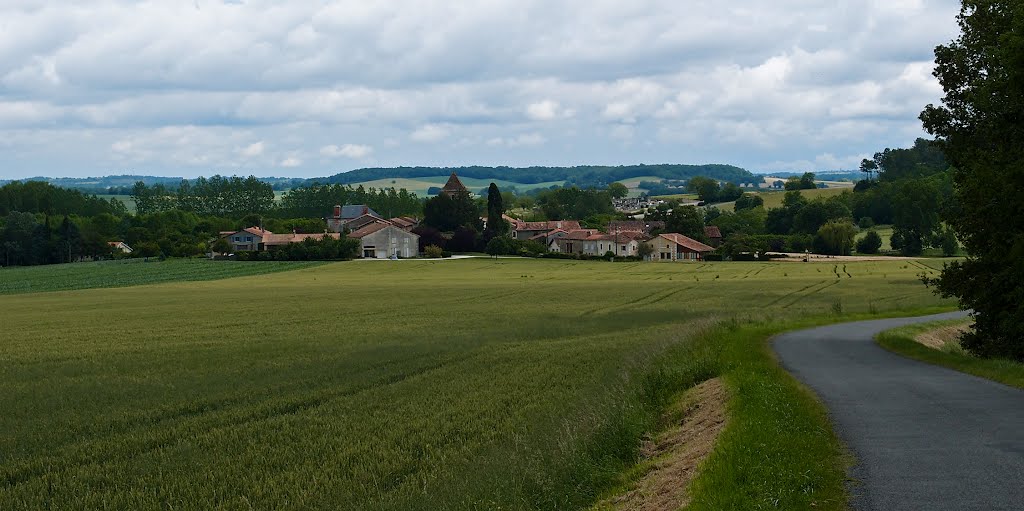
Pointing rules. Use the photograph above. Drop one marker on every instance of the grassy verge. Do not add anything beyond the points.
(779, 450)
(901, 340)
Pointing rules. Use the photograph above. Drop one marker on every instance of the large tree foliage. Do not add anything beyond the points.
(448, 214)
(575, 203)
(979, 127)
(42, 197)
(315, 201)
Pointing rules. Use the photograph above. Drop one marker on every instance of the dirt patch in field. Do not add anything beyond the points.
(940, 337)
(676, 453)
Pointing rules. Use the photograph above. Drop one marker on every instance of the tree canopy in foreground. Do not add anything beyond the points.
(980, 126)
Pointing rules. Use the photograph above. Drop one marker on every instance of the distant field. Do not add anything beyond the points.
(773, 199)
(420, 185)
(884, 232)
(130, 272)
(474, 384)
(126, 199)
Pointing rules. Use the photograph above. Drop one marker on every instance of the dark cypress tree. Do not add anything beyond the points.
(496, 224)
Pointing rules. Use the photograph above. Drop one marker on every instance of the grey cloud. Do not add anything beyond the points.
(498, 82)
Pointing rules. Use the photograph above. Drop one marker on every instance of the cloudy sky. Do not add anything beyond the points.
(196, 87)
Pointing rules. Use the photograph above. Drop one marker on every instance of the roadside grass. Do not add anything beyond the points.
(468, 384)
(131, 272)
(901, 340)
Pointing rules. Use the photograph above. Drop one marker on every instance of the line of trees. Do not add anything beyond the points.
(316, 200)
(42, 197)
(218, 195)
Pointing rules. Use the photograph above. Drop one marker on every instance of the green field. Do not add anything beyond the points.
(773, 199)
(511, 384)
(126, 199)
(130, 272)
(420, 185)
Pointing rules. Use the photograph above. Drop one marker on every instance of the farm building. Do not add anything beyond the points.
(119, 246)
(248, 239)
(676, 247)
(526, 230)
(454, 186)
(344, 215)
(382, 240)
(714, 235)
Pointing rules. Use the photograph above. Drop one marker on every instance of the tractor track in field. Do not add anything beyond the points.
(809, 293)
(129, 445)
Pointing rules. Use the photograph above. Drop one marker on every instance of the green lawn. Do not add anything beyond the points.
(130, 272)
(512, 384)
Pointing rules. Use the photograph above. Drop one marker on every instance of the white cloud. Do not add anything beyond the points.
(431, 133)
(253, 150)
(291, 162)
(197, 87)
(354, 151)
(547, 110)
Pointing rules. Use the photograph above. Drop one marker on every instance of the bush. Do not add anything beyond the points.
(433, 252)
(609, 255)
(869, 244)
(866, 222)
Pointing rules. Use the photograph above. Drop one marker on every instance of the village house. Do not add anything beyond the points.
(714, 235)
(119, 246)
(676, 247)
(246, 240)
(454, 186)
(623, 244)
(343, 215)
(382, 240)
(526, 230)
(642, 226)
(571, 242)
(378, 239)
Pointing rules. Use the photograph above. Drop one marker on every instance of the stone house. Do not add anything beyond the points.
(382, 240)
(676, 247)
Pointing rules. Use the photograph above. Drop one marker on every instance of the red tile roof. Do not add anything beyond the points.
(368, 229)
(454, 186)
(712, 231)
(688, 243)
(567, 225)
(272, 240)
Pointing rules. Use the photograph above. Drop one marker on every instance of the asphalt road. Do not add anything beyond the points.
(924, 437)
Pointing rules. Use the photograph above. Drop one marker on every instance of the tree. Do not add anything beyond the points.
(707, 189)
(496, 224)
(870, 243)
(221, 246)
(868, 167)
(748, 201)
(498, 245)
(686, 220)
(618, 190)
(948, 243)
(644, 250)
(979, 128)
(447, 214)
(835, 238)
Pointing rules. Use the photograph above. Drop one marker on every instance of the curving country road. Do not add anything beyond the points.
(924, 437)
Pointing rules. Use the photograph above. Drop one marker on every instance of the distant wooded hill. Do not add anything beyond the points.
(586, 176)
(582, 176)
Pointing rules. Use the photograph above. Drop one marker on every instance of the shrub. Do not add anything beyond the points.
(870, 243)
(433, 252)
(866, 222)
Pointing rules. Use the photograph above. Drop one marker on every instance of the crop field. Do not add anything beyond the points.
(129, 272)
(126, 199)
(463, 384)
(420, 185)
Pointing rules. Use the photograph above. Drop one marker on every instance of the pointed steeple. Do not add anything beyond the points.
(453, 187)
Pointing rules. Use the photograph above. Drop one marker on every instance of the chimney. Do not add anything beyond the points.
(337, 211)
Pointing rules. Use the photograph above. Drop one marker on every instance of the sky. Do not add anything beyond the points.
(313, 88)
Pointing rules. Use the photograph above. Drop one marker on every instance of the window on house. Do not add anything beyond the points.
(623, 248)
(248, 238)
